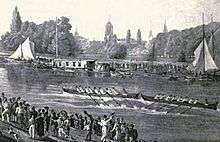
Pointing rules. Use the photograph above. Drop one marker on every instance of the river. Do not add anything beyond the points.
(44, 88)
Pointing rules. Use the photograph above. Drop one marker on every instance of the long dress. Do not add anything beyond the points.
(40, 126)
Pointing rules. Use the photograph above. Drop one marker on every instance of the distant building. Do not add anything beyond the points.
(150, 36)
(108, 32)
(139, 38)
(76, 32)
(165, 29)
(128, 37)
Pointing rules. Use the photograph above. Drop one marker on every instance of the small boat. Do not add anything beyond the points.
(204, 63)
(23, 54)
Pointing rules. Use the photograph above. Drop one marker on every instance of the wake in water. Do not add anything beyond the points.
(80, 101)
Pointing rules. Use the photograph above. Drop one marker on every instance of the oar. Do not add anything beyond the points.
(150, 104)
(161, 107)
(92, 98)
(173, 109)
(185, 110)
(101, 98)
(113, 99)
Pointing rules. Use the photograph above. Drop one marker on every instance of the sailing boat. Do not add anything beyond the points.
(23, 52)
(203, 63)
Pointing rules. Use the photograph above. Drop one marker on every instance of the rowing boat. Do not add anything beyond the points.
(182, 102)
(117, 94)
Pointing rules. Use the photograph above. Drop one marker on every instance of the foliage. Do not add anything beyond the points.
(43, 35)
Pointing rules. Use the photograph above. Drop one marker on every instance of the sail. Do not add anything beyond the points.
(209, 62)
(203, 59)
(27, 50)
(24, 51)
(17, 54)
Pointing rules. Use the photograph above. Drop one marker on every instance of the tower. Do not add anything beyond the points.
(128, 37)
(150, 36)
(76, 32)
(165, 29)
(139, 39)
(108, 32)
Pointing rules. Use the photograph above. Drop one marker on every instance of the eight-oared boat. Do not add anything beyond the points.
(101, 92)
(114, 93)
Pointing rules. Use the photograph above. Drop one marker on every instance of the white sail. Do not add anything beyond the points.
(209, 62)
(17, 54)
(24, 51)
(203, 59)
(27, 51)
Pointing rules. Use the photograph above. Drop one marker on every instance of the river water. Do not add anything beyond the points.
(44, 88)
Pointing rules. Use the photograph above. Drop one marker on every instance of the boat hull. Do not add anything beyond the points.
(184, 103)
(128, 95)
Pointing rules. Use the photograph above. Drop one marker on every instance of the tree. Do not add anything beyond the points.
(16, 21)
(139, 39)
(182, 57)
(128, 37)
(118, 51)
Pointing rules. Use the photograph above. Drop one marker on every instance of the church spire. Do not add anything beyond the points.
(165, 29)
(150, 36)
(76, 32)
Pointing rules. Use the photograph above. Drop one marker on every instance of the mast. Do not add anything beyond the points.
(56, 40)
(203, 43)
(213, 42)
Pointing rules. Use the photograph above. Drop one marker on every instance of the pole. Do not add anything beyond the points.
(185, 110)
(56, 38)
(93, 99)
(203, 43)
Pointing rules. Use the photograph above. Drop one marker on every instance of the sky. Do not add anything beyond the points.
(90, 16)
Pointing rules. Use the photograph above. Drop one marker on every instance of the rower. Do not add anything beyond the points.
(115, 91)
(109, 91)
(125, 93)
(81, 89)
(167, 98)
(186, 100)
(87, 90)
(97, 91)
(90, 90)
(77, 89)
(191, 101)
(196, 101)
(102, 91)
(179, 99)
(157, 97)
